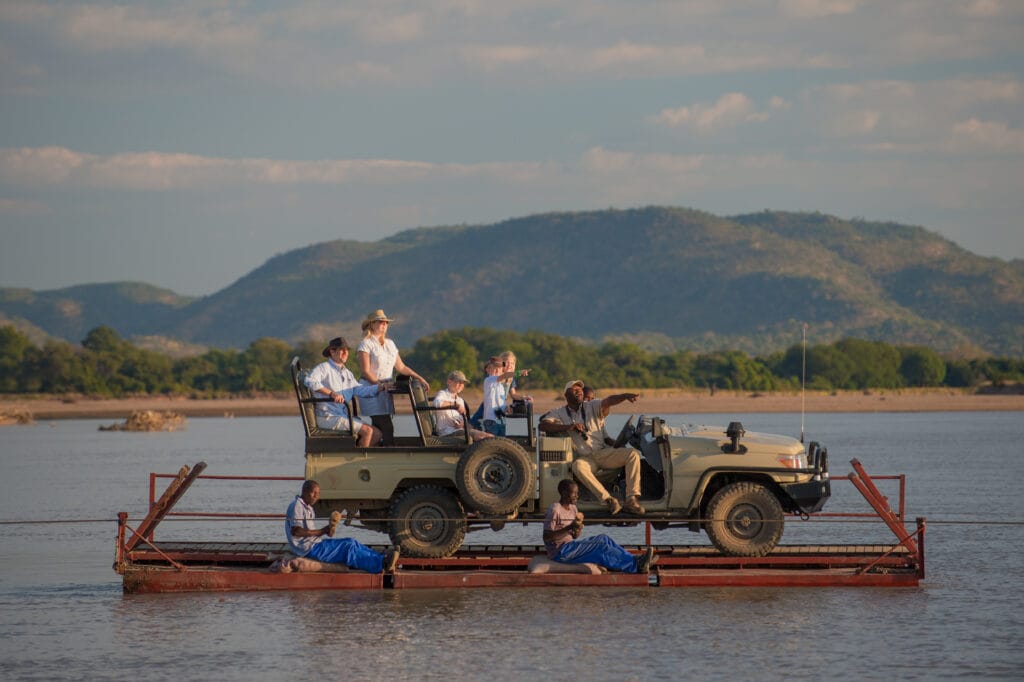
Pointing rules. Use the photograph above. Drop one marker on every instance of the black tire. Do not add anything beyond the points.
(744, 519)
(494, 476)
(427, 521)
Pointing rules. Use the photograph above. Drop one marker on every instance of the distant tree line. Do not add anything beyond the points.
(846, 364)
(107, 365)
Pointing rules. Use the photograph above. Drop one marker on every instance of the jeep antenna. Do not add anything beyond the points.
(803, 381)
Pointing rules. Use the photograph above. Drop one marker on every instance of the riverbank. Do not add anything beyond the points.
(652, 401)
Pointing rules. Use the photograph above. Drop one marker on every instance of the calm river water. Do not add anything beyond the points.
(63, 615)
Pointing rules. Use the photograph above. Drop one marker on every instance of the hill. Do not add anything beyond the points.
(661, 277)
(132, 308)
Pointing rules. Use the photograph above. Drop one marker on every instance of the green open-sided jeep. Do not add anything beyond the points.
(426, 491)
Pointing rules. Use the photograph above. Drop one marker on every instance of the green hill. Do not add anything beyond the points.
(660, 277)
(132, 307)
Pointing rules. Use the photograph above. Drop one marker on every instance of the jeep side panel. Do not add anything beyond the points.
(377, 473)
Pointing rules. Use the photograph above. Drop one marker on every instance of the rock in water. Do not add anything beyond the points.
(149, 420)
(16, 416)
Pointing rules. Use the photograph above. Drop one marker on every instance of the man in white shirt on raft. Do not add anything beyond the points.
(334, 380)
(306, 540)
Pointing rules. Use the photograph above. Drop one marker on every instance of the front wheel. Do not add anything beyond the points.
(744, 519)
(427, 521)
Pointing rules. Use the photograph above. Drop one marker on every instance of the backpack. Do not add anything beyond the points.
(474, 421)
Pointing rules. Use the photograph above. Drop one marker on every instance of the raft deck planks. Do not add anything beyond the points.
(218, 566)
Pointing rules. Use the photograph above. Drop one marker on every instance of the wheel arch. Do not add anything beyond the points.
(714, 480)
(406, 483)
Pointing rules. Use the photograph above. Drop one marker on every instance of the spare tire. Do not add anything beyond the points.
(494, 476)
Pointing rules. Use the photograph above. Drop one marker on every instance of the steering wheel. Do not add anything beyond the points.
(626, 433)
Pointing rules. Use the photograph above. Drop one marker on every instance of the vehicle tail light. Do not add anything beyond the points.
(791, 461)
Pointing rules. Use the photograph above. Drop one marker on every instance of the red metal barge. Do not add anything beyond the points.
(149, 566)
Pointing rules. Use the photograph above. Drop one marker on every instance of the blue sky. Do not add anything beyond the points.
(185, 143)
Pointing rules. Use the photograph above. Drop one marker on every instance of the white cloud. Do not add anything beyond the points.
(400, 28)
(987, 136)
(22, 207)
(730, 110)
(39, 166)
(906, 115)
(328, 45)
(813, 9)
(602, 161)
(57, 166)
(113, 27)
(982, 8)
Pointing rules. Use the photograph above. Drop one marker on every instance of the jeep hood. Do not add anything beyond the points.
(754, 441)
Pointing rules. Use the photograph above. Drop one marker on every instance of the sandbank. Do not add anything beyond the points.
(652, 401)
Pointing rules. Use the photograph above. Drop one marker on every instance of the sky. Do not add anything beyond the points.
(183, 144)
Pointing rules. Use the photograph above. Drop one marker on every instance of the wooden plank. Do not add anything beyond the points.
(784, 578)
(403, 580)
(147, 580)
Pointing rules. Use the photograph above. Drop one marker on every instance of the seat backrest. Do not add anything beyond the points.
(425, 418)
(307, 403)
(302, 395)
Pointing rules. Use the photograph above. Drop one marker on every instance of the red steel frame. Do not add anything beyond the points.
(193, 567)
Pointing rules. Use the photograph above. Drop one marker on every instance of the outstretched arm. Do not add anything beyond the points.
(613, 400)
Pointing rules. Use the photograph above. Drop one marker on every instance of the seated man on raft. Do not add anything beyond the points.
(308, 541)
(563, 525)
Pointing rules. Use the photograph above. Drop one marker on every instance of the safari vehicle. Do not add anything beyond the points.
(426, 491)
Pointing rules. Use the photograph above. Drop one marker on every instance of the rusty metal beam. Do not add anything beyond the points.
(863, 483)
(161, 507)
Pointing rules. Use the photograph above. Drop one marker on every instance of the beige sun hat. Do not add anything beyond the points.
(457, 375)
(572, 383)
(376, 316)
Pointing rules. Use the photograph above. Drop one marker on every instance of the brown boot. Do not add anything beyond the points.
(646, 560)
(391, 559)
(633, 506)
(613, 506)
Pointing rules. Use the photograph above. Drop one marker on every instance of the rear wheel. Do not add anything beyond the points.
(427, 521)
(745, 519)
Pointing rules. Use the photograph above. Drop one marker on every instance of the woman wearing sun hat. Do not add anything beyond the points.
(378, 360)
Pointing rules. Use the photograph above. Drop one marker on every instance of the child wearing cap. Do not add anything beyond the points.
(452, 421)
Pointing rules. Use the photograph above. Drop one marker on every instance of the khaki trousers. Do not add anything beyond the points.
(586, 468)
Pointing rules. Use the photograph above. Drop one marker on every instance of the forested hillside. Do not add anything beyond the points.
(107, 365)
(664, 279)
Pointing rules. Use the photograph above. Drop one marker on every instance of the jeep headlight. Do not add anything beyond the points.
(791, 461)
